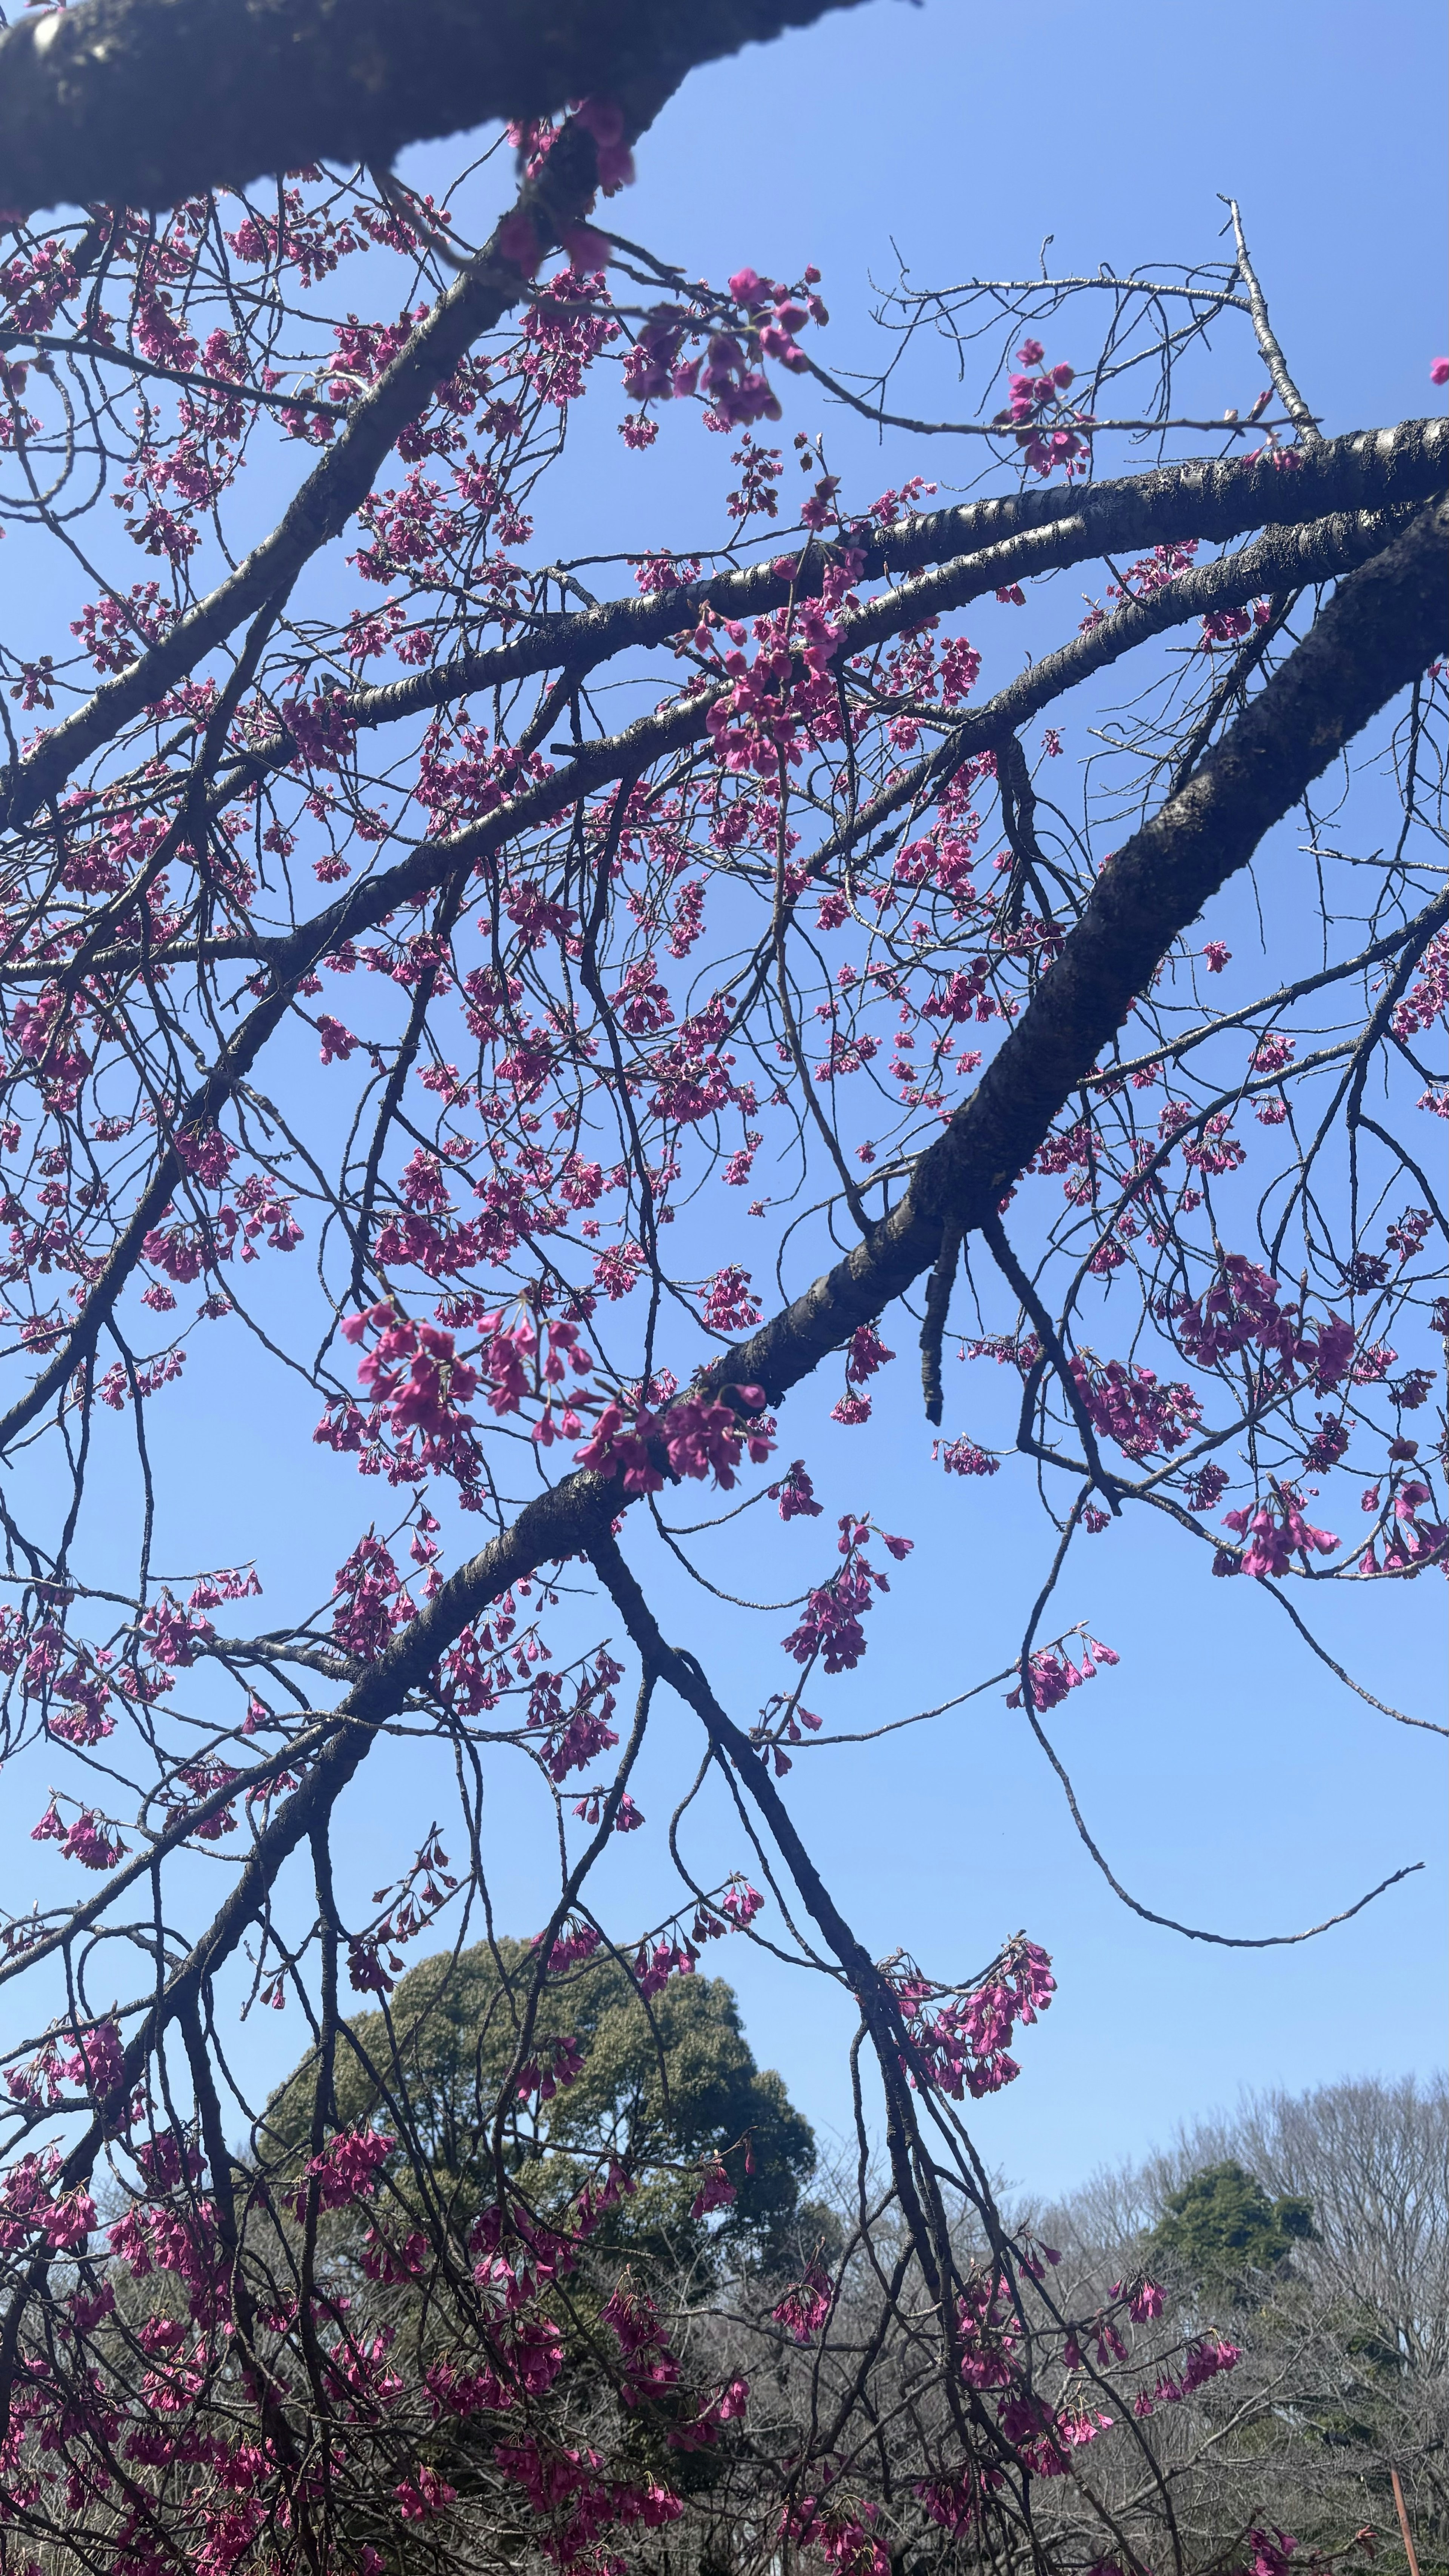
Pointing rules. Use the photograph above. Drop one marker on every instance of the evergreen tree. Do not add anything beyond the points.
(668, 2090)
(1222, 2227)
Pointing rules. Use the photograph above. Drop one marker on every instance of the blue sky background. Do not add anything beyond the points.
(1232, 1780)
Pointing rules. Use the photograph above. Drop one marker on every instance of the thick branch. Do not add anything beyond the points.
(1286, 558)
(1385, 623)
(982, 546)
(143, 102)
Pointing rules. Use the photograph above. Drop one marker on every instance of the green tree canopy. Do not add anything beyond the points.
(1222, 2226)
(668, 2089)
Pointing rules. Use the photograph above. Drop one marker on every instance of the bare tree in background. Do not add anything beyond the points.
(1345, 2373)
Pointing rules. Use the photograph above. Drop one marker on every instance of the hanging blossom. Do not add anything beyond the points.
(830, 1627)
(695, 1436)
(576, 1942)
(94, 1844)
(786, 697)
(1204, 2358)
(1129, 1406)
(1242, 1309)
(728, 373)
(1276, 1532)
(806, 2305)
(346, 2170)
(963, 1458)
(958, 2042)
(841, 2532)
(1048, 430)
(584, 1731)
(1052, 1673)
(30, 2206)
(865, 1353)
(419, 1384)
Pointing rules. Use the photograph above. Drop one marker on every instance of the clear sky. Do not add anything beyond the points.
(1234, 1782)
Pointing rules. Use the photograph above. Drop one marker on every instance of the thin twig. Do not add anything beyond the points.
(1309, 434)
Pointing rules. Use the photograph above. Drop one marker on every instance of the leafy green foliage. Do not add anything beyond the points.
(1221, 2227)
(666, 2089)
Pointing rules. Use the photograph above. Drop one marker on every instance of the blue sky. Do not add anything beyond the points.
(1232, 1780)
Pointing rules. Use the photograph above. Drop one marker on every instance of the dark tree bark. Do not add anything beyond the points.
(143, 102)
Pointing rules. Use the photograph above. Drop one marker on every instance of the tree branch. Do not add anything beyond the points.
(143, 102)
(1316, 553)
(1384, 624)
(983, 546)
(1277, 365)
(489, 284)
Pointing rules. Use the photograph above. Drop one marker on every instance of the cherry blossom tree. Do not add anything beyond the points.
(355, 940)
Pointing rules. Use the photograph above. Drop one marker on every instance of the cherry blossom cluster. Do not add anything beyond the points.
(958, 2041)
(756, 321)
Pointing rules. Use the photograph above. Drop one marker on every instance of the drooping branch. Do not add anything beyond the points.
(872, 1992)
(143, 102)
(933, 1326)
